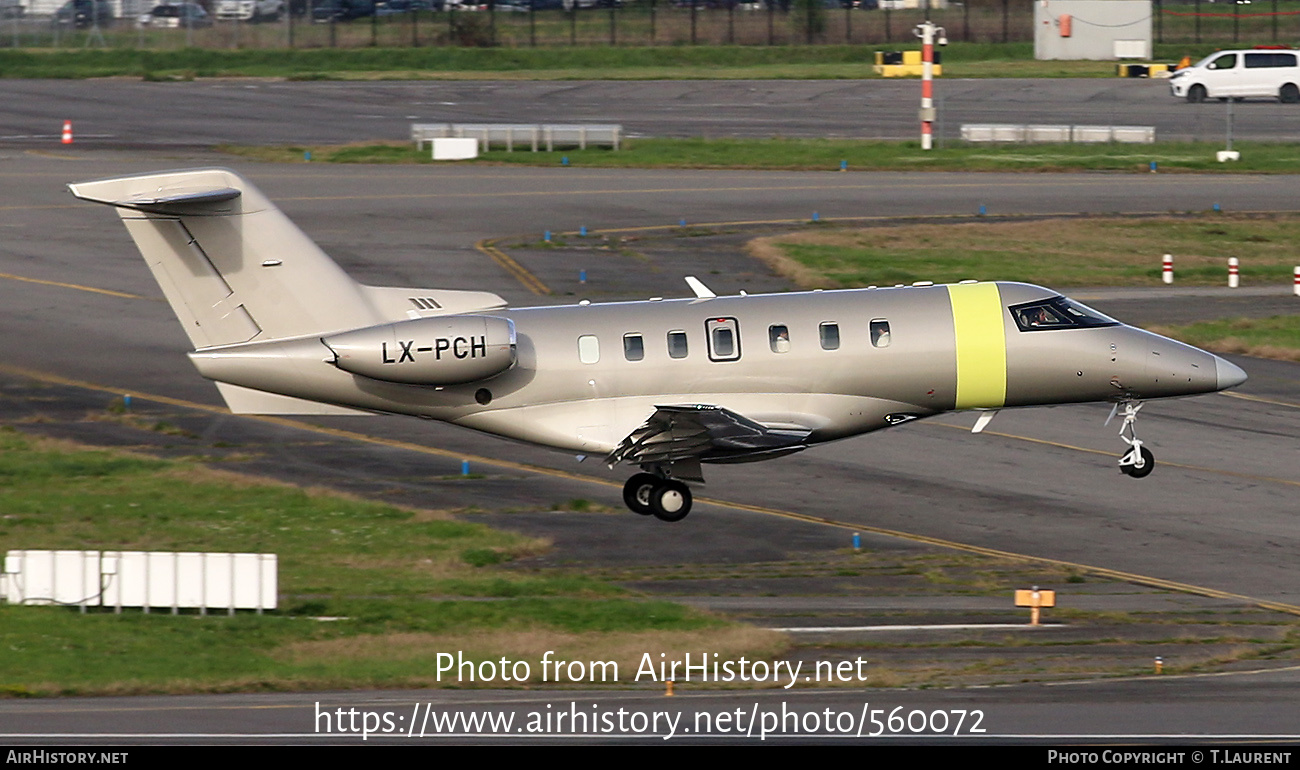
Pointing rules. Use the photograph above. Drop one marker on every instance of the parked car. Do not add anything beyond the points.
(1238, 74)
(395, 7)
(176, 16)
(84, 13)
(342, 10)
(249, 10)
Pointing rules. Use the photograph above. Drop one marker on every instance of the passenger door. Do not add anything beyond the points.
(1222, 76)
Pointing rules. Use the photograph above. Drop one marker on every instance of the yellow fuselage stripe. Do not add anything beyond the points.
(977, 319)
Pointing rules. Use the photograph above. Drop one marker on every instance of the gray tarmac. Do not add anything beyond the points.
(124, 112)
(1219, 513)
(1175, 711)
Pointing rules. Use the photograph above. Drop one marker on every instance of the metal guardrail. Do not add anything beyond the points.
(1005, 132)
(533, 136)
(145, 579)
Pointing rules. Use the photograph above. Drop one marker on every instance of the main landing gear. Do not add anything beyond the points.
(651, 495)
(1138, 461)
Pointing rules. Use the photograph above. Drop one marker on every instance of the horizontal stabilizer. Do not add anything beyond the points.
(189, 194)
(176, 203)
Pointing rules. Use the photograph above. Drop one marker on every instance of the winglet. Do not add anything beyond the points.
(697, 286)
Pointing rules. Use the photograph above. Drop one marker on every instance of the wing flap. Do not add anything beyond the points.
(703, 432)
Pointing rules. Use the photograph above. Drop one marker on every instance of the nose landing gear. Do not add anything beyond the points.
(652, 495)
(1138, 461)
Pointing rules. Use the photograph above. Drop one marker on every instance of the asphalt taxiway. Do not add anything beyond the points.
(1217, 518)
(1051, 490)
(121, 112)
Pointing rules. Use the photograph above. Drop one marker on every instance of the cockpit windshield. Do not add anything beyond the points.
(1058, 313)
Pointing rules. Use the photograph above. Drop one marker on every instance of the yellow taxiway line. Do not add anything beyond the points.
(1262, 400)
(531, 282)
(76, 286)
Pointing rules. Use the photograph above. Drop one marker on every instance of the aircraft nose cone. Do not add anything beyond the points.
(1229, 374)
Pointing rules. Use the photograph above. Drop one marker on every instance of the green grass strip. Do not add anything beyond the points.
(585, 62)
(1273, 337)
(828, 154)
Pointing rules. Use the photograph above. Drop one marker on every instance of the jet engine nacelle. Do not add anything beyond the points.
(449, 350)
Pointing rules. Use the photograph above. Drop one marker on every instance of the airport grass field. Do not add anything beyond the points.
(830, 154)
(370, 593)
(1068, 252)
(1273, 337)
(707, 62)
(1078, 252)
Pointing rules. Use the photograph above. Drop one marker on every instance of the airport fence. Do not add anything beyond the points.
(526, 23)
(537, 23)
(1246, 24)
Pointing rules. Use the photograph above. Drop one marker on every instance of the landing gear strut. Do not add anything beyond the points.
(652, 495)
(1138, 461)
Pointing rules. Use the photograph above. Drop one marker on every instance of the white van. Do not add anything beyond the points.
(1238, 74)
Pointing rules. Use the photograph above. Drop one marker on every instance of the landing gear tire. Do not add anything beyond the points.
(670, 500)
(1129, 464)
(1137, 462)
(637, 492)
(1196, 94)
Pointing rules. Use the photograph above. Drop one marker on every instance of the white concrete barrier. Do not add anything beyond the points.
(1047, 133)
(453, 148)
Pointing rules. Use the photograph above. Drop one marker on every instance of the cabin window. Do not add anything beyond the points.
(724, 339)
(633, 347)
(778, 336)
(677, 345)
(830, 335)
(880, 333)
(588, 349)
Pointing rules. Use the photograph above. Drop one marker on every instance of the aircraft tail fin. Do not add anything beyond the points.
(233, 267)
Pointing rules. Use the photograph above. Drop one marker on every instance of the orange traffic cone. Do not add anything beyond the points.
(67, 132)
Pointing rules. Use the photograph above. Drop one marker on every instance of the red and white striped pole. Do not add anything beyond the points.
(1233, 277)
(1297, 281)
(926, 30)
(1167, 274)
(927, 85)
(67, 132)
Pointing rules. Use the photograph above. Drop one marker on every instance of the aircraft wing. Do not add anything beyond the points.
(703, 432)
